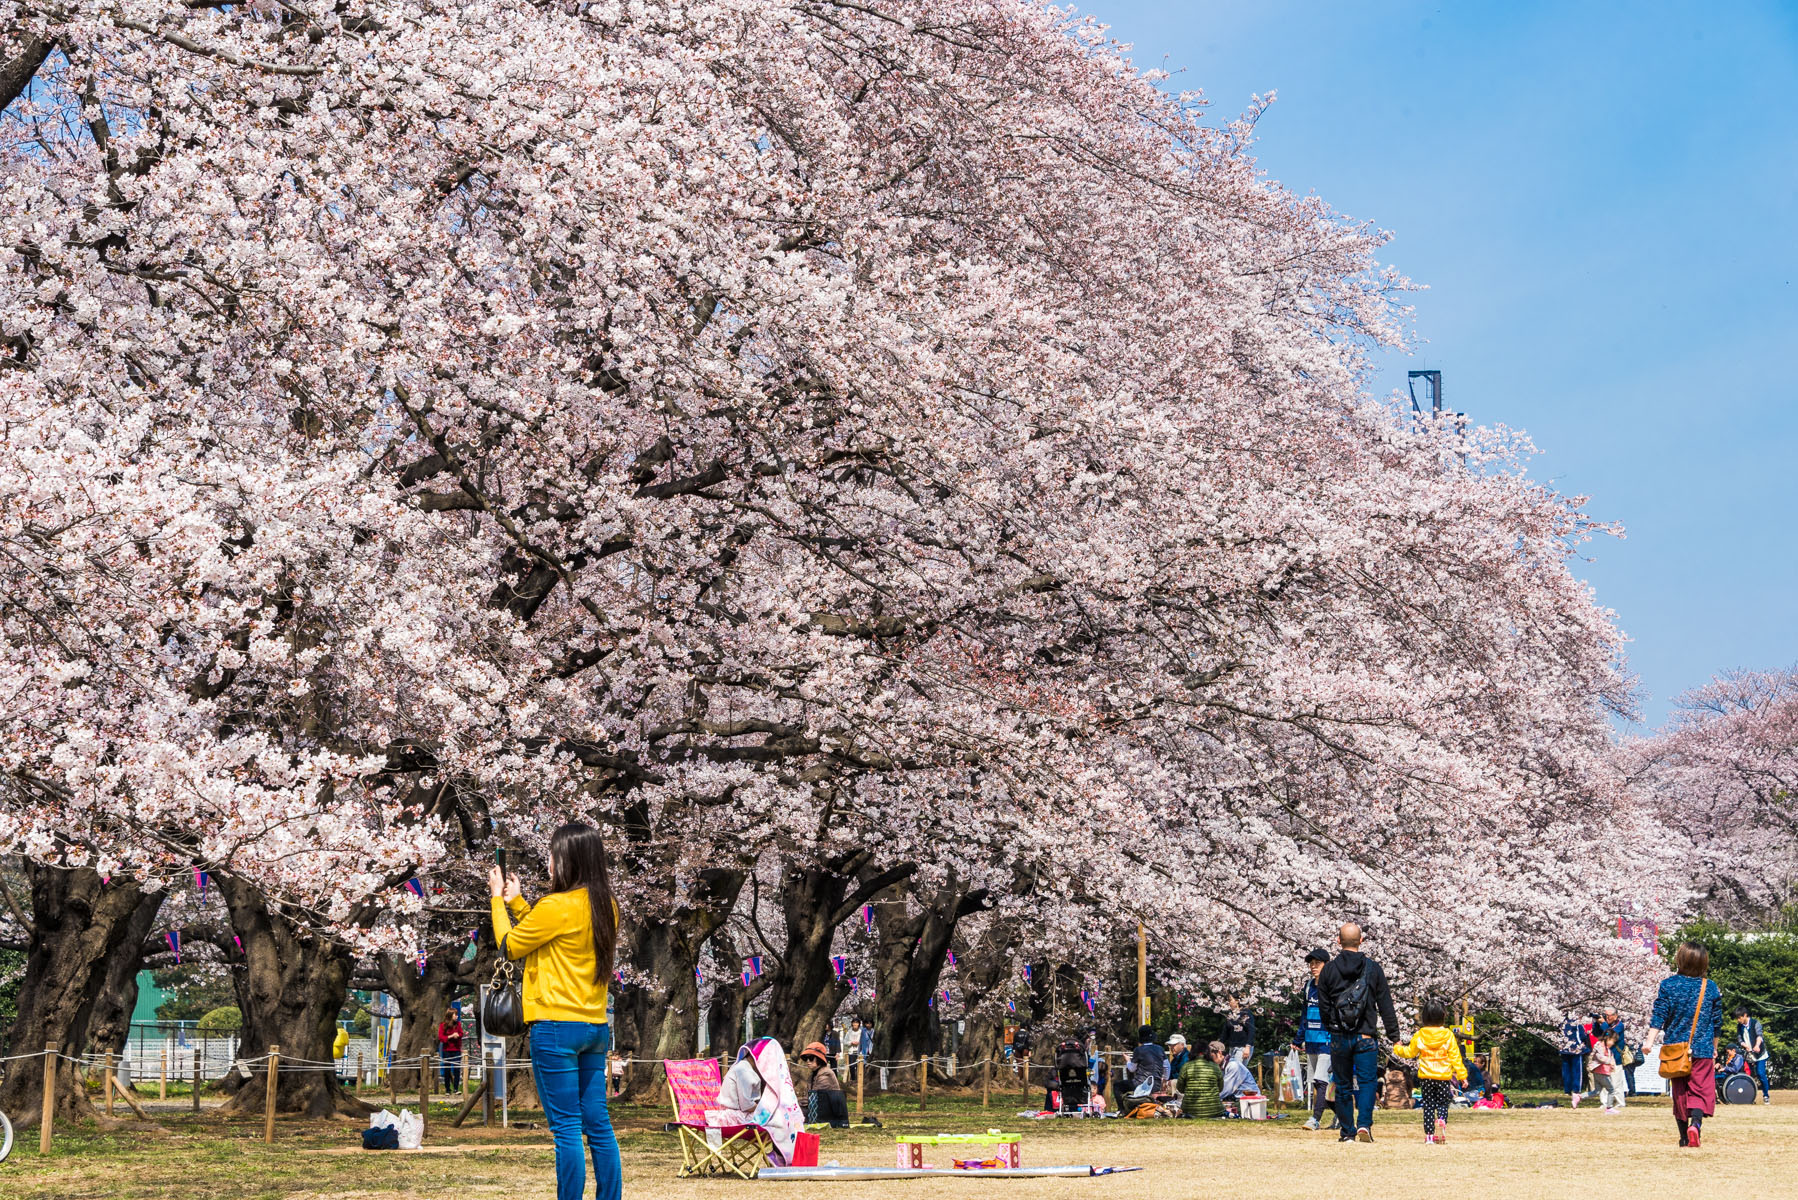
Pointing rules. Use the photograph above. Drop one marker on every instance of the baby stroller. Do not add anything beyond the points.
(1069, 1091)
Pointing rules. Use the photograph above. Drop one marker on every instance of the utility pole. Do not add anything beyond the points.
(1142, 975)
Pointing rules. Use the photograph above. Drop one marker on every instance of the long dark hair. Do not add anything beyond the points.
(577, 859)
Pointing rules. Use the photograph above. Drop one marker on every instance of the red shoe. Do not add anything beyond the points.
(1692, 1139)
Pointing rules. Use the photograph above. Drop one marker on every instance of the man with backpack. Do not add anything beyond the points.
(1355, 1001)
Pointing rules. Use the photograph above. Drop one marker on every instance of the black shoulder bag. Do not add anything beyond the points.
(502, 1006)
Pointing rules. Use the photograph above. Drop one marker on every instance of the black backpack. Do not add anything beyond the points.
(1353, 1005)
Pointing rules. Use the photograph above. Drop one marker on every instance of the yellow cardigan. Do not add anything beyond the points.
(1437, 1053)
(555, 939)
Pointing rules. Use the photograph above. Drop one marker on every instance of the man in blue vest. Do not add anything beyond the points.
(1754, 1049)
(1313, 1042)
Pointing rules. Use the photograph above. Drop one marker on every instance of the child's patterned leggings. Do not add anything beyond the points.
(1436, 1095)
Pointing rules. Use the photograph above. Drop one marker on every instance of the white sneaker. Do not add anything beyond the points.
(1311, 1124)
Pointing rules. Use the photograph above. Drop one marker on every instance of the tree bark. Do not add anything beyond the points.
(724, 1012)
(815, 899)
(985, 964)
(81, 928)
(110, 1026)
(658, 1018)
(290, 990)
(20, 59)
(914, 941)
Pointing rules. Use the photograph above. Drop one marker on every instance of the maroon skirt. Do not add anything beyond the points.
(1696, 1094)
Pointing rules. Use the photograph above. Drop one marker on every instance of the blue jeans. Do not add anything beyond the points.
(1573, 1073)
(1354, 1066)
(569, 1060)
(1760, 1073)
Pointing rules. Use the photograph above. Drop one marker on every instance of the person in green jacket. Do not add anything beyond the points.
(1202, 1084)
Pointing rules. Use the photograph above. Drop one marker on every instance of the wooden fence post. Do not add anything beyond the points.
(268, 1103)
(106, 1080)
(162, 1088)
(486, 1087)
(465, 1070)
(923, 1082)
(196, 1081)
(986, 1082)
(861, 1082)
(424, 1096)
(49, 1115)
(393, 1083)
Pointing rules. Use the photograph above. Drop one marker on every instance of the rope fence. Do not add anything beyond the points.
(992, 1072)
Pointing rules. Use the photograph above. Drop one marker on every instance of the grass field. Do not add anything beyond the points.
(1748, 1152)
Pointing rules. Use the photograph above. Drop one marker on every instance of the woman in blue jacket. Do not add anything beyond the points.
(1690, 1008)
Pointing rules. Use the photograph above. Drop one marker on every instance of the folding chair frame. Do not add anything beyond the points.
(740, 1151)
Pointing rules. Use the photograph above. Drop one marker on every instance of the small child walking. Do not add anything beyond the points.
(1607, 1073)
(1438, 1056)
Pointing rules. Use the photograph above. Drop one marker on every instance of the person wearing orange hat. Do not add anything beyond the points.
(824, 1101)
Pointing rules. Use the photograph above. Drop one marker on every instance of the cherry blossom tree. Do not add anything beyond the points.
(1722, 777)
(896, 442)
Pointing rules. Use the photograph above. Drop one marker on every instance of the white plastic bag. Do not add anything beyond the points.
(412, 1130)
(382, 1120)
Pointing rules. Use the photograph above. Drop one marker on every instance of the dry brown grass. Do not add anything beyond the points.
(1529, 1155)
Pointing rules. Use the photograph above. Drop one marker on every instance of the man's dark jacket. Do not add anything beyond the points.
(1334, 980)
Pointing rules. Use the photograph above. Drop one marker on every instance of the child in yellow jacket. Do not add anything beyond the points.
(1438, 1057)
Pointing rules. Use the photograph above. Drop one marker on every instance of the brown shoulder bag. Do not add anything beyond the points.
(1676, 1057)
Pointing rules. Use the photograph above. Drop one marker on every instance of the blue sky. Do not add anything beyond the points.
(1603, 202)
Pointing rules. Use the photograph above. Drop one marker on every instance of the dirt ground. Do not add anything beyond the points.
(1524, 1154)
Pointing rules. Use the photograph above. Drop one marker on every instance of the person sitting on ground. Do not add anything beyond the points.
(824, 1101)
(1237, 1080)
(1395, 1092)
(1178, 1052)
(1202, 1084)
(1148, 1065)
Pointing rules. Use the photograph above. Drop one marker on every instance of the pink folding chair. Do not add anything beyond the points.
(708, 1149)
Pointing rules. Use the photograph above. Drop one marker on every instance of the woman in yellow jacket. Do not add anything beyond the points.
(567, 941)
(1439, 1060)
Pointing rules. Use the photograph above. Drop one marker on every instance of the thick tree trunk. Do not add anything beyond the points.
(82, 928)
(657, 1015)
(985, 966)
(110, 1026)
(915, 933)
(423, 1001)
(724, 1011)
(815, 899)
(290, 989)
